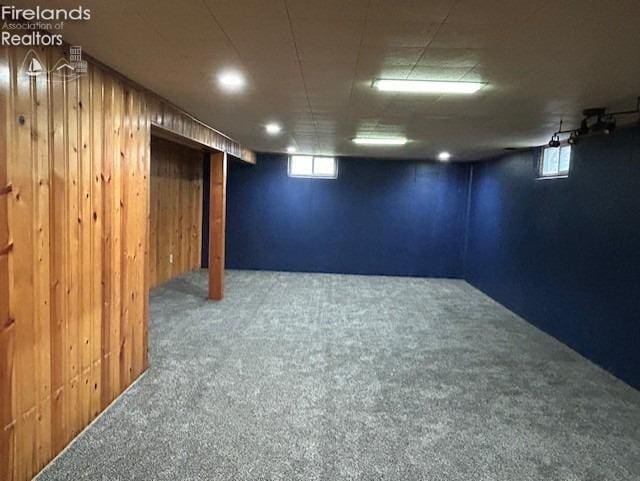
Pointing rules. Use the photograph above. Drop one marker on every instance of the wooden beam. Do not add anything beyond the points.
(217, 209)
(176, 125)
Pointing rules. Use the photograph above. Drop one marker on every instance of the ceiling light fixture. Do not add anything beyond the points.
(555, 138)
(380, 140)
(291, 149)
(427, 86)
(584, 128)
(595, 120)
(555, 141)
(609, 125)
(574, 137)
(231, 81)
(273, 128)
(444, 156)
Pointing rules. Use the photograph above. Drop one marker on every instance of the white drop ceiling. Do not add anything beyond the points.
(310, 63)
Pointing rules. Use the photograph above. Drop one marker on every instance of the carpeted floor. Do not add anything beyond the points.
(329, 377)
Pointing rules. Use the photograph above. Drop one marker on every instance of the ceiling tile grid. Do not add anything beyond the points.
(309, 66)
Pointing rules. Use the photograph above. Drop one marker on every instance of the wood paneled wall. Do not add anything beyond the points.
(74, 246)
(176, 210)
(74, 284)
(7, 326)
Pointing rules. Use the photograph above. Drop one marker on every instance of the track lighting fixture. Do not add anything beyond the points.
(555, 141)
(555, 138)
(595, 120)
(609, 125)
(604, 123)
(584, 128)
(574, 137)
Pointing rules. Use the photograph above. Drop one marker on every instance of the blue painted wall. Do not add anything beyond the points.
(378, 217)
(565, 253)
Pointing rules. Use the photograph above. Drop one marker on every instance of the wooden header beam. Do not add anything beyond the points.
(174, 124)
(167, 117)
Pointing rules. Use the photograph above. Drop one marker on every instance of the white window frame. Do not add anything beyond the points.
(560, 174)
(313, 160)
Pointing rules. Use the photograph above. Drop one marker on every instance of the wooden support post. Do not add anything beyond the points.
(217, 214)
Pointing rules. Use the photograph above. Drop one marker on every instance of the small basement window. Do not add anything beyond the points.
(312, 166)
(555, 162)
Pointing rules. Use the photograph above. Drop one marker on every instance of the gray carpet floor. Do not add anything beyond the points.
(330, 377)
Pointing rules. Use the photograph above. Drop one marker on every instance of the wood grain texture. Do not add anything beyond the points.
(217, 217)
(7, 326)
(175, 123)
(76, 242)
(176, 210)
(73, 284)
(170, 121)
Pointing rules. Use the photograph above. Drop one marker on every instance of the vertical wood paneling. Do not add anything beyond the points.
(71, 405)
(139, 199)
(85, 229)
(57, 171)
(96, 134)
(107, 221)
(115, 268)
(84, 222)
(21, 279)
(42, 292)
(176, 210)
(7, 326)
(73, 285)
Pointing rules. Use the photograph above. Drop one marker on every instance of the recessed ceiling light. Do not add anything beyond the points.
(273, 128)
(291, 149)
(427, 86)
(231, 81)
(444, 156)
(380, 140)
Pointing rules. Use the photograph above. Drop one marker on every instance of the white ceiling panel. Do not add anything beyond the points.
(310, 64)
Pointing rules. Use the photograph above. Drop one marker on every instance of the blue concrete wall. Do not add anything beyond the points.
(388, 217)
(565, 253)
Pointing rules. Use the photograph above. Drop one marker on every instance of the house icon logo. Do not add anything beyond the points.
(63, 70)
(64, 66)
